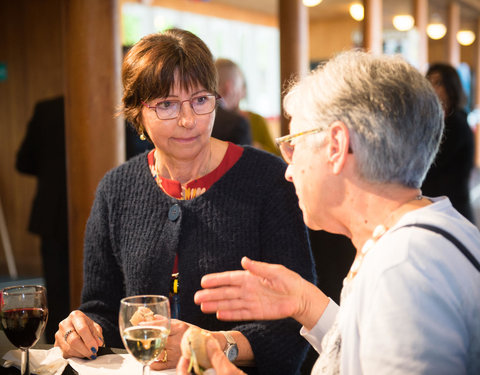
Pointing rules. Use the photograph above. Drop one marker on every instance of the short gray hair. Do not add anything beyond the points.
(392, 112)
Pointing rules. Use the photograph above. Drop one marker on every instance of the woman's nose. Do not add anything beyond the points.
(288, 173)
(186, 117)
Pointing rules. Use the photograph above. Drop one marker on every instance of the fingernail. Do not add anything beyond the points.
(93, 356)
(93, 350)
(103, 342)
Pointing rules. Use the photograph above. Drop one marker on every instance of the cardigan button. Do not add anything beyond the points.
(174, 212)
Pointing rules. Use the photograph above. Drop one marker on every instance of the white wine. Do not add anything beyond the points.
(145, 343)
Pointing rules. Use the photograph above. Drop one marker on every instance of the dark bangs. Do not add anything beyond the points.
(152, 65)
(177, 55)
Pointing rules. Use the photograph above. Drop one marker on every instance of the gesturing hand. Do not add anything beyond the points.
(262, 292)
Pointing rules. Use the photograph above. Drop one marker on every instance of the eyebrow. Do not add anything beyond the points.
(195, 93)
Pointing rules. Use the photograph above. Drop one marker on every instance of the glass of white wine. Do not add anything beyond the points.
(144, 323)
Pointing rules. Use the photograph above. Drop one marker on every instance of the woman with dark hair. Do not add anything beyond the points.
(450, 172)
(192, 205)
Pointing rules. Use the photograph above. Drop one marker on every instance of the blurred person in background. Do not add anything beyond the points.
(233, 88)
(451, 170)
(229, 125)
(42, 154)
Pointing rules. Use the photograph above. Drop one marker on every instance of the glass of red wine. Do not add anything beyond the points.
(24, 315)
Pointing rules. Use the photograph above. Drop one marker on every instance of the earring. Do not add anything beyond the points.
(142, 136)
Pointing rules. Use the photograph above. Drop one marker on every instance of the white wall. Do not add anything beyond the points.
(255, 48)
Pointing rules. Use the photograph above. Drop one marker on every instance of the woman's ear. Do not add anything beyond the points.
(338, 145)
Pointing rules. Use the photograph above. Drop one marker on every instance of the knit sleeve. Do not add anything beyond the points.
(103, 281)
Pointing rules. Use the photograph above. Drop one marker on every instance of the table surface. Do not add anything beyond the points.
(68, 370)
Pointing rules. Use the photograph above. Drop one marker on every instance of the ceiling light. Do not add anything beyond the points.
(465, 37)
(311, 3)
(403, 22)
(357, 11)
(436, 31)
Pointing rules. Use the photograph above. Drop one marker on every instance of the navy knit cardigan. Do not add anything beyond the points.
(133, 234)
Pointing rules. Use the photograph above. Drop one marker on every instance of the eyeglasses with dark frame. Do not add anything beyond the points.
(285, 143)
(169, 109)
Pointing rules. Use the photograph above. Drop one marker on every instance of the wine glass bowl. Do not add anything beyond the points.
(24, 314)
(144, 323)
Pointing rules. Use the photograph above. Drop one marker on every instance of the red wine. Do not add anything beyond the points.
(24, 327)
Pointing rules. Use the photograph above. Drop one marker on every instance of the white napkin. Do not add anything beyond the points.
(110, 364)
(51, 362)
(42, 362)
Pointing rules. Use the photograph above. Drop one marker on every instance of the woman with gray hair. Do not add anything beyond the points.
(364, 131)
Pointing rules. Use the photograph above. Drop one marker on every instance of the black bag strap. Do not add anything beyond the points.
(451, 238)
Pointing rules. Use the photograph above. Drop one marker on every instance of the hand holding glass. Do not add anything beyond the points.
(24, 315)
(146, 334)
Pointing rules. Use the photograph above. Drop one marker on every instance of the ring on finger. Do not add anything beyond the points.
(65, 336)
(165, 357)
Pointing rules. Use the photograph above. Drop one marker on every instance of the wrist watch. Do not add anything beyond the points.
(231, 350)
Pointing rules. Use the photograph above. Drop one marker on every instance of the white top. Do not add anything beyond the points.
(414, 306)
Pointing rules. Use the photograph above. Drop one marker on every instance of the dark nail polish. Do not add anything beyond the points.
(93, 356)
(93, 350)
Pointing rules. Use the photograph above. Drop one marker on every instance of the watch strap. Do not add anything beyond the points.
(229, 338)
(231, 346)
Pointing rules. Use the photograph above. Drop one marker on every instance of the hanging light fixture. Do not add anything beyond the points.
(465, 37)
(356, 11)
(436, 29)
(311, 3)
(403, 22)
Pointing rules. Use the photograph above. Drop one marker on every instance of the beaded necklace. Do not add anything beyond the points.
(380, 230)
(202, 173)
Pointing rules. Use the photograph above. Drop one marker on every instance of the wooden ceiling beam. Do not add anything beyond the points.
(474, 4)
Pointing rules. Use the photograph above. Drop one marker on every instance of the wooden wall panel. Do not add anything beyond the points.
(31, 48)
(328, 37)
(94, 135)
(437, 50)
(467, 55)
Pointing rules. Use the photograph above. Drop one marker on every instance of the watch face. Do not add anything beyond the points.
(232, 353)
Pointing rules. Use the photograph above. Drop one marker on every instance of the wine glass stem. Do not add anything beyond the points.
(25, 370)
(146, 370)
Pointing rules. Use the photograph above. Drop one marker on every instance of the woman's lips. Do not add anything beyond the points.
(185, 140)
